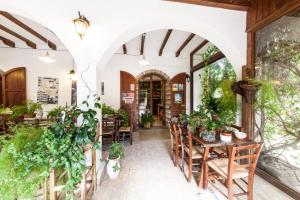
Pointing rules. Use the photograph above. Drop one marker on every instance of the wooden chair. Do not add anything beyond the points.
(108, 129)
(194, 153)
(125, 130)
(175, 144)
(238, 166)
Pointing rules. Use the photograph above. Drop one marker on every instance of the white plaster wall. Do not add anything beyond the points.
(11, 58)
(110, 75)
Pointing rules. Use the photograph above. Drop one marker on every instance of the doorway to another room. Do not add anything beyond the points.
(152, 97)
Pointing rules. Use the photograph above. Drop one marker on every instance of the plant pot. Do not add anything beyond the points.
(226, 137)
(209, 136)
(29, 115)
(147, 125)
(113, 168)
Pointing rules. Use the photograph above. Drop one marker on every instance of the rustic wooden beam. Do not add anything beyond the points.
(28, 29)
(165, 41)
(124, 49)
(28, 42)
(200, 46)
(184, 44)
(212, 59)
(143, 43)
(8, 42)
(242, 5)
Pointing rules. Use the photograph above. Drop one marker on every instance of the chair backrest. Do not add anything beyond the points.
(185, 138)
(108, 124)
(245, 155)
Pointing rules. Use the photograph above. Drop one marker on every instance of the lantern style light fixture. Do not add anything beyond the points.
(81, 24)
(46, 58)
(143, 61)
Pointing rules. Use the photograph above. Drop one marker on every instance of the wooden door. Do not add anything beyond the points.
(178, 94)
(14, 86)
(128, 93)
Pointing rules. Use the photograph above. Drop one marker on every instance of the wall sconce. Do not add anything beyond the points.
(81, 24)
(72, 73)
(188, 78)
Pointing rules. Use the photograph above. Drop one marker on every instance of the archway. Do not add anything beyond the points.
(153, 95)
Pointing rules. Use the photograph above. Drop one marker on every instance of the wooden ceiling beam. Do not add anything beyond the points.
(212, 59)
(200, 46)
(143, 43)
(184, 44)
(165, 42)
(28, 42)
(8, 42)
(28, 29)
(124, 49)
(242, 5)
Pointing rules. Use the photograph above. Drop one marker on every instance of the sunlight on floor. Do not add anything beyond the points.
(148, 173)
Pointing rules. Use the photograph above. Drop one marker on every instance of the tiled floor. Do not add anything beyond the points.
(149, 174)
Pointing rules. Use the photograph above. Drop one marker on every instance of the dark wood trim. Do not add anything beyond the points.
(8, 42)
(28, 42)
(28, 29)
(292, 193)
(184, 44)
(124, 49)
(200, 46)
(191, 91)
(143, 43)
(165, 42)
(212, 59)
(288, 7)
(243, 5)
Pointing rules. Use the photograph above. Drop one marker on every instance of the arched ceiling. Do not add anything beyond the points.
(154, 40)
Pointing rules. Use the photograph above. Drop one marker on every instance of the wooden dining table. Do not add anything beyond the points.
(208, 146)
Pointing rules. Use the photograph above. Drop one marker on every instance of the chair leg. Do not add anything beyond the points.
(250, 187)
(130, 138)
(190, 168)
(230, 189)
(182, 161)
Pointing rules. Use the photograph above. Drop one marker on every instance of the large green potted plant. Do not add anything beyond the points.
(27, 110)
(147, 119)
(115, 153)
(62, 145)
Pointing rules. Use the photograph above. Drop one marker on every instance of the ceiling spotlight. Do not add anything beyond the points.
(81, 24)
(143, 61)
(46, 58)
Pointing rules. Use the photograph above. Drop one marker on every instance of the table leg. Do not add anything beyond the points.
(203, 178)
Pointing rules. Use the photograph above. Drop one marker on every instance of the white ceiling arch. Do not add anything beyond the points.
(115, 22)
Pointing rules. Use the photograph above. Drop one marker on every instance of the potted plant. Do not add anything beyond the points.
(107, 110)
(198, 120)
(116, 152)
(124, 116)
(28, 110)
(147, 120)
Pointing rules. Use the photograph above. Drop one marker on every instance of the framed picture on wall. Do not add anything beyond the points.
(74, 93)
(102, 88)
(178, 98)
(180, 87)
(47, 90)
(175, 87)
